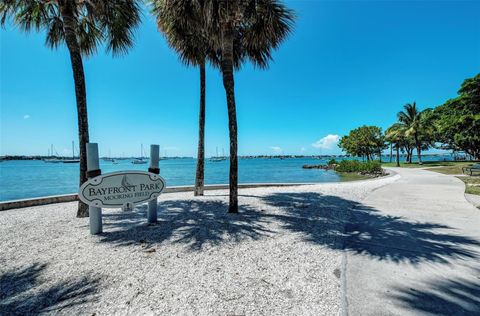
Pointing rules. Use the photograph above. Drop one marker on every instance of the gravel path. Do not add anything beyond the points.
(281, 255)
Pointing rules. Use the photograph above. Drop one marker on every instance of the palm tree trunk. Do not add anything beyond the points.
(66, 11)
(398, 156)
(228, 83)
(200, 175)
(391, 152)
(419, 150)
(409, 154)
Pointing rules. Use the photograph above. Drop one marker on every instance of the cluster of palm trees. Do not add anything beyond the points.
(409, 133)
(222, 33)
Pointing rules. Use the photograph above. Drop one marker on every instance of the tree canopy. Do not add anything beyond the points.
(364, 141)
(457, 121)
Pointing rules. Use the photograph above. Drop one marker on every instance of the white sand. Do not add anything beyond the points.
(281, 255)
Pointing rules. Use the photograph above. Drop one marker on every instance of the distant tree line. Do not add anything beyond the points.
(454, 125)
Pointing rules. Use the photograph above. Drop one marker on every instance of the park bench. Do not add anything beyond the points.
(472, 169)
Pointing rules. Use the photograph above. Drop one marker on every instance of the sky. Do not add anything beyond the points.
(346, 64)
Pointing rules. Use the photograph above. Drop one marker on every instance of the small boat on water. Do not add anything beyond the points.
(108, 159)
(56, 159)
(52, 160)
(141, 160)
(218, 158)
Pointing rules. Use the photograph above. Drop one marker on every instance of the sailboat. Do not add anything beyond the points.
(109, 157)
(139, 161)
(52, 159)
(73, 160)
(217, 158)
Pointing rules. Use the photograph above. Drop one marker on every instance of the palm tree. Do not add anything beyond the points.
(410, 118)
(182, 24)
(395, 134)
(249, 29)
(236, 31)
(82, 25)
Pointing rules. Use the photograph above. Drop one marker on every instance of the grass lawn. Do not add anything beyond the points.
(472, 184)
(445, 167)
(352, 176)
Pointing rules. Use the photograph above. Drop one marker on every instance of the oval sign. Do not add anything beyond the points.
(116, 189)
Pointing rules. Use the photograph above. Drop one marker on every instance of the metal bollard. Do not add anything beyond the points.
(154, 168)
(93, 170)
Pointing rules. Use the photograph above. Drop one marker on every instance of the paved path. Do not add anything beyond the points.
(413, 248)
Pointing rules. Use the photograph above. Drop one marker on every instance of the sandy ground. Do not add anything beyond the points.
(281, 255)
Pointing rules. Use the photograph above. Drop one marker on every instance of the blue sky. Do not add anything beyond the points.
(346, 64)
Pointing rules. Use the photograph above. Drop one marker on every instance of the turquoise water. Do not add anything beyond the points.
(22, 179)
(34, 178)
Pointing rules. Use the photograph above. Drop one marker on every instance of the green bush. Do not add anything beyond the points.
(371, 167)
(332, 162)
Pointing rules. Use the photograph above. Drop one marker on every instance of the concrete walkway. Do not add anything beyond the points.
(413, 248)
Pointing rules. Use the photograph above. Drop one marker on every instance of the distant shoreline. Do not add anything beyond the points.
(21, 157)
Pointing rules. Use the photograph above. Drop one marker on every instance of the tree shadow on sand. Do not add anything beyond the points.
(444, 297)
(341, 223)
(191, 222)
(324, 220)
(22, 293)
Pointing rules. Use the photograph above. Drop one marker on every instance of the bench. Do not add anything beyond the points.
(472, 169)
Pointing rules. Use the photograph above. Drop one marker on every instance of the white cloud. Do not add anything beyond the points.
(327, 142)
(26, 117)
(303, 149)
(276, 149)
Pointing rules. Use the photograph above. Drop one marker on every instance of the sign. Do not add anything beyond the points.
(121, 189)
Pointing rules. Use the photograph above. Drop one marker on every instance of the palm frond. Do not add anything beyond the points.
(96, 21)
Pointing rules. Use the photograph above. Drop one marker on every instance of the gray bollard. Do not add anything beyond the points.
(93, 170)
(154, 168)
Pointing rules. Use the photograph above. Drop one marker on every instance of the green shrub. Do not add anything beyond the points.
(370, 167)
(332, 162)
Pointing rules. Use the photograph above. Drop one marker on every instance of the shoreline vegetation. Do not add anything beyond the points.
(352, 170)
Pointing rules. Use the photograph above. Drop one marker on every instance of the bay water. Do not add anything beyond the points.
(21, 179)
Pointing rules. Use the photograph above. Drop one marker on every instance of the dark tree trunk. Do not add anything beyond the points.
(419, 150)
(391, 152)
(228, 83)
(67, 13)
(409, 154)
(200, 175)
(398, 156)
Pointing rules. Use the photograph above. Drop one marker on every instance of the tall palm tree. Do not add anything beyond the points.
(395, 134)
(82, 25)
(183, 26)
(410, 118)
(237, 31)
(251, 29)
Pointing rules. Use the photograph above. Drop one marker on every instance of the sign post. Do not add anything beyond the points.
(154, 168)
(93, 170)
(123, 189)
